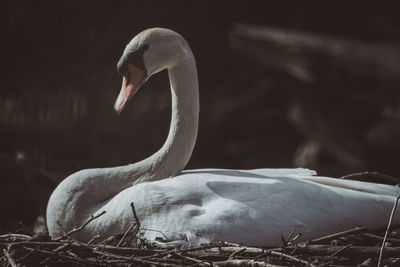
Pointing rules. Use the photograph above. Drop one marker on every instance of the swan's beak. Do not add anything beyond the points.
(131, 83)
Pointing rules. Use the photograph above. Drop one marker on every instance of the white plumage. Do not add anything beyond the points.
(197, 206)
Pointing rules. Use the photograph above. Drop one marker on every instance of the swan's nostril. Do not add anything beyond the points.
(128, 78)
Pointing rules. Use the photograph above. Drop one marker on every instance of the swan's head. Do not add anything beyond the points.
(146, 54)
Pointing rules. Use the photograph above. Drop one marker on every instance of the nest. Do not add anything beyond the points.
(354, 247)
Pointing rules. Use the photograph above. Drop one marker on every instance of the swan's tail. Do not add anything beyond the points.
(367, 187)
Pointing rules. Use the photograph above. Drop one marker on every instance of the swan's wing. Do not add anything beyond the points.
(373, 188)
(310, 175)
(314, 207)
(255, 173)
(297, 172)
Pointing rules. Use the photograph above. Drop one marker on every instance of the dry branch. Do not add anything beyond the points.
(290, 257)
(10, 260)
(337, 235)
(327, 250)
(393, 241)
(13, 237)
(244, 263)
(387, 230)
(76, 229)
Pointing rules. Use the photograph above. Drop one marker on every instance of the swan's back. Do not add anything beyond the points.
(250, 206)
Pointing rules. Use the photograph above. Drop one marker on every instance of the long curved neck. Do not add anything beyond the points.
(176, 151)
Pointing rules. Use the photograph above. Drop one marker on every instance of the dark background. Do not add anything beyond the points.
(59, 84)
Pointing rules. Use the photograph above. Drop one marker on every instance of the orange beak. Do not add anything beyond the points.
(131, 83)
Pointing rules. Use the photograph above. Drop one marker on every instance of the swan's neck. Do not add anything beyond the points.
(176, 151)
(86, 190)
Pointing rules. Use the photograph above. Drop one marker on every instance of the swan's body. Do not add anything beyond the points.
(253, 207)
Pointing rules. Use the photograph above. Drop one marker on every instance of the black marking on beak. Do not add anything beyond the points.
(128, 78)
(135, 58)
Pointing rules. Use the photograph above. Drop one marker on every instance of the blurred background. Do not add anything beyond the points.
(282, 84)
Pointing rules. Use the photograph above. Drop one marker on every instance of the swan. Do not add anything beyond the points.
(253, 207)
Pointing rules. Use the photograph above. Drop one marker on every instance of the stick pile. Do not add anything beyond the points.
(354, 247)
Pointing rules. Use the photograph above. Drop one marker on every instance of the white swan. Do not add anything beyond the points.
(247, 206)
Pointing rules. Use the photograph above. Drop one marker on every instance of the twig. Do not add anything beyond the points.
(326, 250)
(136, 260)
(249, 250)
(380, 238)
(291, 238)
(128, 251)
(72, 254)
(236, 253)
(336, 235)
(190, 259)
(205, 247)
(137, 222)
(318, 250)
(61, 247)
(26, 255)
(10, 260)
(74, 259)
(291, 235)
(80, 227)
(276, 253)
(136, 218)
(296, 237)
(61, 228)
(158, 231)
(261, 255)
(43, 262)
(78, 245)
(245, 263)
(214, 245)
(230, 244)
(340, 250)
(387, 230)
(14, 237)
(126, 233)
(92, 240)
(14, 245)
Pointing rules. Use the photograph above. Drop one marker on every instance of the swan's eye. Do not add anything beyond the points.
(128, 78)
